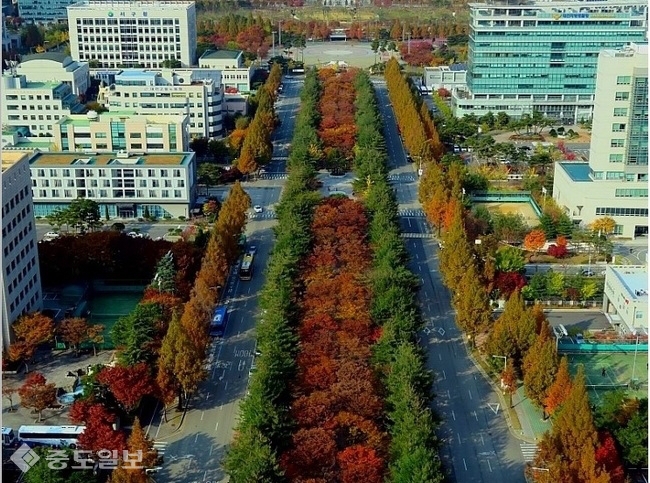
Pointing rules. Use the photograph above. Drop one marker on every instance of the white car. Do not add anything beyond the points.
(257, 209)
(51, 235)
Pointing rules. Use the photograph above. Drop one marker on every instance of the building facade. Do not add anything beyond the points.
(119, 132)
(44, 11)
(36, 105)
(124, 184)
(625, 300)
(448, 77)
(543, 55)
(56, 67)
(615, 181)
(21, 280)
(197, 93)
(235, 77)
(133, 33)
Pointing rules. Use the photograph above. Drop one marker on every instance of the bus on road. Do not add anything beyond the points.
(246, 269)
(219, 321)
(64, 436)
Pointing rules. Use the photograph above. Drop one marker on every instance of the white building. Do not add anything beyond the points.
(44, 11)
(56, 67)
(21, 280)
(447, 77)
(615, 181)
(626, 298)
(36, 105)
(124, 184)
(235, 76)
(197, 93)
(133, 33)
(10, 40)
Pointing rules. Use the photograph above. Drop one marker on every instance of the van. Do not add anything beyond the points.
(8, 437)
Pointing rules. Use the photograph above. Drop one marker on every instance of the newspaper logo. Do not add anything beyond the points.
(24, 458)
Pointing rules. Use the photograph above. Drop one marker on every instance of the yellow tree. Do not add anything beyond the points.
(137, 444)
(166, 379)
(246, 162)
(472, 304)
(31, 331)
(604, 225)
(540, 367)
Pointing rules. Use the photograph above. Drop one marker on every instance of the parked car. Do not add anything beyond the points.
(51, 235)
(580, 339)
(258, 209)
(587, 273)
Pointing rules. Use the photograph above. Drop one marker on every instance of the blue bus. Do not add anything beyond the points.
(219, 321)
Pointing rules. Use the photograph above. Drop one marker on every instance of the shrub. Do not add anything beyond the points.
(557, 251)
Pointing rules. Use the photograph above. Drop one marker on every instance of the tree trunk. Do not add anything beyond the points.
(40, 415)
(94, 350)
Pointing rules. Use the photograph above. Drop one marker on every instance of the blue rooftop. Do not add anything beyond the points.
(458, 67)
(578, 172)
(139, 73)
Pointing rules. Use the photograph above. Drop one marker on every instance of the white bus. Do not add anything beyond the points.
(65, 436)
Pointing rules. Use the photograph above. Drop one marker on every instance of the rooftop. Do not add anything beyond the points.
(559, 3)
(83, 120)
(221, 54)
(635, 280)
(9, 158)
(137, 73)
(153, 5)
(631, 50)
(112, 159)
(55, 56)
(579, 172)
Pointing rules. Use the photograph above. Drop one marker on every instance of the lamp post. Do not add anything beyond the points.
(273, 44)
(542, 470)
(505, 361)
(544, 191)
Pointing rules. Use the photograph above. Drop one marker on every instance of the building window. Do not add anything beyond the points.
(616, 158)
(610, 211)
(622, 96)
(632, 193)
(620, 112)
(618, 127)
(617, 143)
(623, 80)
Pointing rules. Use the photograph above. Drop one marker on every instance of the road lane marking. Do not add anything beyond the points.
(202, 414)
(465, 464)
(470, 393)
(205, 475)
(217, 426)
(476, 416)
(489, 466)
(453, 414)
(225, 386)
(444, 375)
(482, 441)
(439, 356)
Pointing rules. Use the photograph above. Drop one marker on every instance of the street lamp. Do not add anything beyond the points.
(505, 361)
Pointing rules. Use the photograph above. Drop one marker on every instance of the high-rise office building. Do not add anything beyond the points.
(133, 33)
(615, 181)
(43, 11)
(542, 55)
(21, 279)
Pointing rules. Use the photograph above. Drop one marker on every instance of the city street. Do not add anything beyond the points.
(477, 445)
(194, 452)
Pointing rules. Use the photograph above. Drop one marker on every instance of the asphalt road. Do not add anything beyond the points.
(194, 453)
(477, 445)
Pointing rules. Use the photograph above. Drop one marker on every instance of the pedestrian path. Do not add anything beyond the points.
(412, 213)
(266, 215)
(529, 451)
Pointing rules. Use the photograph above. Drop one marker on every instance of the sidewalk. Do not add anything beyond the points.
(533, 426)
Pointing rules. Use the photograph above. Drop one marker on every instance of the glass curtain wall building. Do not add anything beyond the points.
(543, 55)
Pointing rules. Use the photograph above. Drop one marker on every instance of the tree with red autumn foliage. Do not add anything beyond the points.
(607, 455)
(418, 53)
(360, 463)
(253, 41)
(31, 331)
(129, 384)
(37, 394)
(99, 433)
(508, 282)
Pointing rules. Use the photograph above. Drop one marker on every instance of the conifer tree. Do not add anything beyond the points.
(456, 254)
(559, 390)
(471, 303)
(539, 367)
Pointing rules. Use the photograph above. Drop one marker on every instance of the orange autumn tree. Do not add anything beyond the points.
(559, 390)
(534, 241)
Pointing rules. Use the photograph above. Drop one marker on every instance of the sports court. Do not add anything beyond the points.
(619, 370)
(510, 208)
(107, 307)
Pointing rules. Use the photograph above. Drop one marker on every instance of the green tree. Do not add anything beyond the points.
(165, 278)
(136, 332)
(83, 214)
(509, 259)
(588, 290)
(171, 64)
(250, 458)
(510, 228)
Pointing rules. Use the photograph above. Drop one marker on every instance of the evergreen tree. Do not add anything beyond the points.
(539, 367)
(559, 390)
(472, 304)
(456, 254)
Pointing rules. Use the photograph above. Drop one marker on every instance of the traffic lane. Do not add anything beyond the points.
(394, 144)
(473, 430)
(214, 412)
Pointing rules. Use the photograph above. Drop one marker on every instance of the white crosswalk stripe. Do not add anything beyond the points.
(418, 235)
(160, 446)
(402, 177)
(414, 213)
(529, 450)
(266, 215)
(274, 176)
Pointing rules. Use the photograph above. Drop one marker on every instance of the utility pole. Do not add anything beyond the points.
(409, 43)
(273, 44)
(280, 34)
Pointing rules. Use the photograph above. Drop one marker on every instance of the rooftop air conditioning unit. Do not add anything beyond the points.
(123, 154)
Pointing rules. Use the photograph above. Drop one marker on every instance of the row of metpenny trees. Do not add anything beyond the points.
(572, 451)
(341, 392)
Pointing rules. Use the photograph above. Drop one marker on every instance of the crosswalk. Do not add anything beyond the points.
(529, 451)
(402, 177)
(266, 215)
(273, 176)
(160, 446)
(412, 213)
(418, 235)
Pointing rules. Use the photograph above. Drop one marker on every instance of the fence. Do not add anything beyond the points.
(507, 197)
(600, 347)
